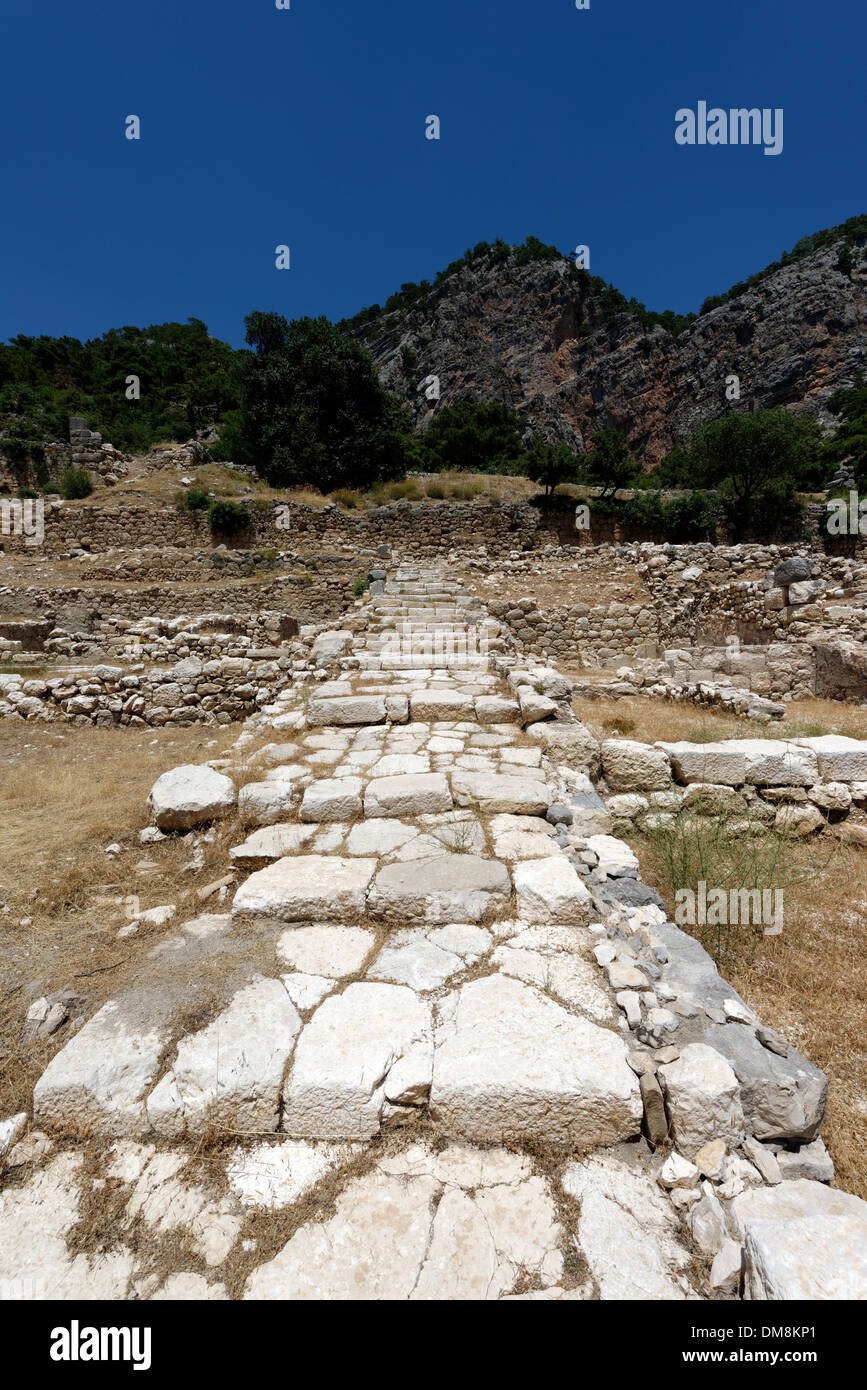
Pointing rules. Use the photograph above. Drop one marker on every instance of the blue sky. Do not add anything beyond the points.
(307, 127)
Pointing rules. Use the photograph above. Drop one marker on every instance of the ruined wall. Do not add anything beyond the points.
(420, 528)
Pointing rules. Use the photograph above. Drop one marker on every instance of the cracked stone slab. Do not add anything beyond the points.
(367, 1048)
(802, 1240)
(330, 951)
(510, 1063)
(410, 958)
(444, 888)
(496, 792)
(35, 1219)
(277, 1175)
(309, 887)
(98, 1082)
(573, 980)
(400, 765)
(270, 843)
(463, 1224)
(628, 1232)
(229, 1074)
(371, 1249)
(167, 1203)
(410, 794)
(306, 991)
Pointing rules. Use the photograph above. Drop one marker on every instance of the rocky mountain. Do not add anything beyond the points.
(572, 356)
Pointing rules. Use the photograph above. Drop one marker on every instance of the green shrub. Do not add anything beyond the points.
(227, 518)
(360, 585)
(196, 499)
(74, 483)
(690, 518)
(695, 848)
(403, 492)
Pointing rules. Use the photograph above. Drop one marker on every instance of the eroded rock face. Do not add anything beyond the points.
(796, 333)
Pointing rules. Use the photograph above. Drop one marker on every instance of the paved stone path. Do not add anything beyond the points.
(416, 1056)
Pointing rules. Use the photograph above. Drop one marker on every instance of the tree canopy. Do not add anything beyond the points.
(313, 410)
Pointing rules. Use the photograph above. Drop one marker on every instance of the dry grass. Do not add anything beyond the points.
(162, 487)
(810, 983)
(66, 793)
(568, 585)
(648, 720)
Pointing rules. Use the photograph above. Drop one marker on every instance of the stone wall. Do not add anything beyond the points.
(800, 786)
(420, 528)
(218, 691)
(309, 598)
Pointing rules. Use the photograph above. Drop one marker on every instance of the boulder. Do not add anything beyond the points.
(190, 795)
(703, 1098)
(791, 571)
(549, 890)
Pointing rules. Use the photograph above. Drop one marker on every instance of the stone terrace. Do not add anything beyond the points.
(441, 1004)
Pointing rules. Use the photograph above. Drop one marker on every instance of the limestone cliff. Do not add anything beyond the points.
(541, 336)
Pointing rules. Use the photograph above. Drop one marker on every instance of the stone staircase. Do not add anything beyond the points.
(443, 1038)
(423, 619)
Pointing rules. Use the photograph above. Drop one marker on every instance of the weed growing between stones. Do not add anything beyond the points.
(691, 850)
